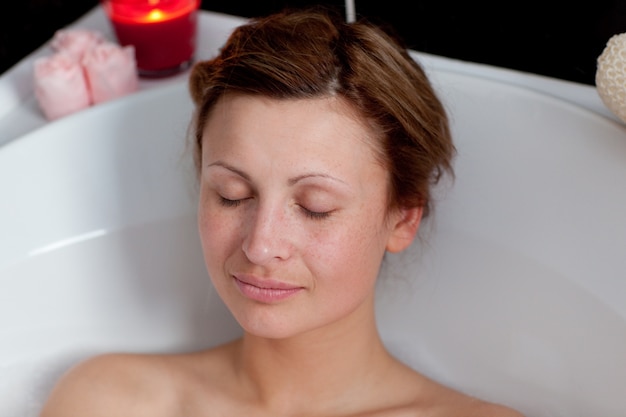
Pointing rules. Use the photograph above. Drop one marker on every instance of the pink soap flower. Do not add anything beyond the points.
(75, 42)
(60, 86)
(111, 71)
(85, 69)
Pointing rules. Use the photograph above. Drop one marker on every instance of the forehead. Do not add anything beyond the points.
(304, 125)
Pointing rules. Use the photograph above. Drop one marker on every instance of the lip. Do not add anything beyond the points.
(265, 290)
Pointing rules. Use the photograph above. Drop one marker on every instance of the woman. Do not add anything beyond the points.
(316, 144)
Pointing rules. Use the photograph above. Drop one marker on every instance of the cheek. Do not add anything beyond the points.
(216, 236)
(349, 256)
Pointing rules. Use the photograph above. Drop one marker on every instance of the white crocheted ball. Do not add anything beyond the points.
(611, 75)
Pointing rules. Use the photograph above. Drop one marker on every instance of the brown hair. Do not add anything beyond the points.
(313, 53)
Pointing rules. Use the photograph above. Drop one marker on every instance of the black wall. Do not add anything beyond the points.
(553, 38)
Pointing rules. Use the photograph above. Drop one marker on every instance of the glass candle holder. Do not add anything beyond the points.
(163, 32)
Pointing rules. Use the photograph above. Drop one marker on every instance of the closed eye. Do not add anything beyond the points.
(226, 202)
(315, 215)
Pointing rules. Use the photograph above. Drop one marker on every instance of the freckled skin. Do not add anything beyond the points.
(336, 258)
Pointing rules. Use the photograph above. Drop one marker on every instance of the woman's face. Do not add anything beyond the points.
(293, 213)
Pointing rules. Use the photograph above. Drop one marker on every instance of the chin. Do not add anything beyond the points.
(268, 331)
(274, 324)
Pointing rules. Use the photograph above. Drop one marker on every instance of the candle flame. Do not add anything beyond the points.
(155, 15)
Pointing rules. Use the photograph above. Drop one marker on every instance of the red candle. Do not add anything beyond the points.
(163, 32)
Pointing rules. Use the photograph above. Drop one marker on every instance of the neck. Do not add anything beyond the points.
(292, 374)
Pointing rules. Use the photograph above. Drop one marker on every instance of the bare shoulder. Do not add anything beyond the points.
(456, 404)
(415, 394)
(437, 400)
(114, 385)
(484, 409)
(455, 408)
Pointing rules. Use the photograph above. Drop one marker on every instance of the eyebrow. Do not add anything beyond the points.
(295, 180)
(230, 168)
(291, 181)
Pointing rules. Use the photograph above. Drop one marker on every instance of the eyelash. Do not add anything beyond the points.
(316, 215)
(313, 215)
(230, 203)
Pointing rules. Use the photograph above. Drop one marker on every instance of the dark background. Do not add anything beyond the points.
(553, 38)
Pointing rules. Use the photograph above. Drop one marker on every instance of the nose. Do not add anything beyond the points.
(266, 236)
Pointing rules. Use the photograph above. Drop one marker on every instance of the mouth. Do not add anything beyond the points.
(265, 291)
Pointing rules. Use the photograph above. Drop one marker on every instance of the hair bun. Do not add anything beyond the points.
(198, 80)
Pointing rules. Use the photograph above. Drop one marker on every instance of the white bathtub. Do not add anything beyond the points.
(515, 292)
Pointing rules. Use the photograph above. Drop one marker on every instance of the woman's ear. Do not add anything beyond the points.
(404, 228)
